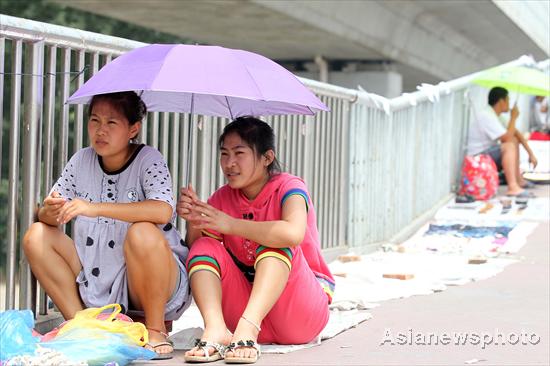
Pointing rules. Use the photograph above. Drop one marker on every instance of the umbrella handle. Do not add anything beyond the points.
(190, 142)
(189, 151)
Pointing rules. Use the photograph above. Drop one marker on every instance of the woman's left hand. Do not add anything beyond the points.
(74, 208)
(205, 216)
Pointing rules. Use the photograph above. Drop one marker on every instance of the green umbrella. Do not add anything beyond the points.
(518, 79)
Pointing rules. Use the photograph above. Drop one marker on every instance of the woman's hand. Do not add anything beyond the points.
(533, 160)
(186, 202)
(204, 216)
(52, 205)
(75, 208)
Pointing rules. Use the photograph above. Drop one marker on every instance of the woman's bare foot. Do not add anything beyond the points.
(213, 335)
(156, 340)
(245, 331)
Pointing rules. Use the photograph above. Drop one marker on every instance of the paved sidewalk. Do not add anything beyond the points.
(514, 301)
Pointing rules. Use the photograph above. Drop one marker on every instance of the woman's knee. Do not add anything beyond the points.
(274, 255)
(144, 237)
(205, 245)
(33, 240)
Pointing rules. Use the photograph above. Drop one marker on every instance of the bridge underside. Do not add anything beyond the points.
(424, 41)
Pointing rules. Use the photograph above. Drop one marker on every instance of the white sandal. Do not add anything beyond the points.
(242, 344)
(219, 350)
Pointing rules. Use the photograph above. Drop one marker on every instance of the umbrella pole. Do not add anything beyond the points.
(190, 142)
(516, 97)
(229, 108)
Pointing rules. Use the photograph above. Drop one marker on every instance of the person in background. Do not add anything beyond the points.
(539, 118)
(487, 135)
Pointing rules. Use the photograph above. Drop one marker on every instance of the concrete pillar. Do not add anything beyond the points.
(322, 64)
(388, 84)
(378, 77)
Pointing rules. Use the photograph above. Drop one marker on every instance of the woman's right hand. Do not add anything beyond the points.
(186, 202)
(52, 205)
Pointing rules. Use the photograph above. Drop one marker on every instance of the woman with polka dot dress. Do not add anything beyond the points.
(125, 247)
(255, 265)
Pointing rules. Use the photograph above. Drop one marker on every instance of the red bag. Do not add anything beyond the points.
(539, 136)
(479, 177)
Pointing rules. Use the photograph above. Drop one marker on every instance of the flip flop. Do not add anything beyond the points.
(219, 350)
(523, 194)
(167, 342)
(162, 356)
(528, 185)
(242, 344)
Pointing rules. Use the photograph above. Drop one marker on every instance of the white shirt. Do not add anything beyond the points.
(539, 120)
(485, 130)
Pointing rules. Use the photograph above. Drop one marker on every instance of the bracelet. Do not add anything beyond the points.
(251, 322)
(164, 334)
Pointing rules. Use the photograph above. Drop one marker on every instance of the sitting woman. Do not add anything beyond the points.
(125, 247)
(255, 263)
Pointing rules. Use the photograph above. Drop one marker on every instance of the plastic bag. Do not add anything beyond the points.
(53, 333)
(479, 177)
(94, 318)
(91, 337)
(16, 334)
(97, 346)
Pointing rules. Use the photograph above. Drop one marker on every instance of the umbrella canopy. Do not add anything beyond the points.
(519, 79)
(208, 80)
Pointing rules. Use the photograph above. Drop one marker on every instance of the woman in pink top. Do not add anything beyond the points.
(255, 263)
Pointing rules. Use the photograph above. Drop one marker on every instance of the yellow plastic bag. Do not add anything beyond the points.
(88, 318)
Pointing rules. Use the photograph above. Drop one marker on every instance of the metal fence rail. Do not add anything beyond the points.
(372, 164)
(402, 164)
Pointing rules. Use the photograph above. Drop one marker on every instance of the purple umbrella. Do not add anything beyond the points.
(208, 80)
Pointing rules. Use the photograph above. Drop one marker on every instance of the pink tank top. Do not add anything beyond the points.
(267, 206)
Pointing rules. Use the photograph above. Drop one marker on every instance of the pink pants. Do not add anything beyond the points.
(298, 316)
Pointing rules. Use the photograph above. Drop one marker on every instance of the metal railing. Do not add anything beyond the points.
(372, 165)
(402, 163)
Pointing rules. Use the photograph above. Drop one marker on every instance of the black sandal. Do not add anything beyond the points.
(219, 350)
(242, 344)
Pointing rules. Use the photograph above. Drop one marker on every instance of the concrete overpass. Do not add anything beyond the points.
(386, 46)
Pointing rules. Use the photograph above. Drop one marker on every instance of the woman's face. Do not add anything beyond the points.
(109, 130)
(241, 166)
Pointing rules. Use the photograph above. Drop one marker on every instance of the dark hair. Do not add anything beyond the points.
(255, 133)
(496, 94)
(128, 103)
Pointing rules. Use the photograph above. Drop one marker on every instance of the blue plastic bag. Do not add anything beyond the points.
(97, 347)
(16, 337)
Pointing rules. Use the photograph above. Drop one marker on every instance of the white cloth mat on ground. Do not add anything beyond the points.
(365, 286)
(189, 327)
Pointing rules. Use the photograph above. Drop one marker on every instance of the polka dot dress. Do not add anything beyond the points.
(99, 240)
